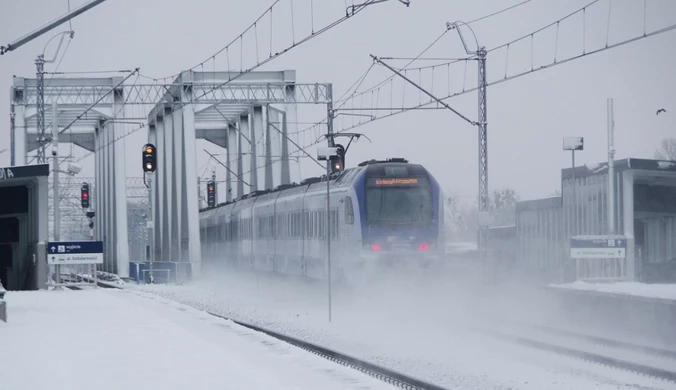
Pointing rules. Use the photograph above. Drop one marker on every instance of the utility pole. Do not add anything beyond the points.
(40, 87)
(482, 124)
(611, 169)
(149, 168)
(150, 225)
(483, 152)
(327, 154)
(56, 198)
(329, 131)
(40, 78)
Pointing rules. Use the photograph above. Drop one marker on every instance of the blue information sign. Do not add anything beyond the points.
(598, 243)
(75, 252)
(589, 247)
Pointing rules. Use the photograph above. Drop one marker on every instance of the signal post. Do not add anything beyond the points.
(149, 167)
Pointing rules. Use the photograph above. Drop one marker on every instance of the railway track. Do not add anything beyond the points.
(662, 362)
(386, 375)
(392, 377)
(651, 350)
(565, 346)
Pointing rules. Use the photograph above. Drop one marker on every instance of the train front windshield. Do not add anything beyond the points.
(396, 202)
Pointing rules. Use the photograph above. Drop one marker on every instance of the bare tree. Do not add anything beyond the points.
(503, 206)
(667, 150)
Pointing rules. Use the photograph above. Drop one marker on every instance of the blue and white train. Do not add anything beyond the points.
(382, 213)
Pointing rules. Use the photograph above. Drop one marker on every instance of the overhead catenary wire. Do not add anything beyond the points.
(558, 21)
(267, 18)
(340, 103)
(585, 50)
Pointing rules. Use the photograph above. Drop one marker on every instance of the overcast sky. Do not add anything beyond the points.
(527, 116)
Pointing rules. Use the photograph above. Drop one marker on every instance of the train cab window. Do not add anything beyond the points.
(399, 202)
(349, 211)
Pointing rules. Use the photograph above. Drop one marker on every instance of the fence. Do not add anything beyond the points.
(601, 270)
(163, 271)
(72, 275)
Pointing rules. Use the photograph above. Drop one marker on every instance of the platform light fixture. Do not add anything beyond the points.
(328, 154)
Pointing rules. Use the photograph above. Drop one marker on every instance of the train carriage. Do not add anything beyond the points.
(382, 213)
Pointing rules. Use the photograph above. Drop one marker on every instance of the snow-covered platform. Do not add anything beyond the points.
(117, 339)
(632, 289)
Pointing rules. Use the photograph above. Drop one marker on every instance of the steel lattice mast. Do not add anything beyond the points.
(483, 150)
(40, 106)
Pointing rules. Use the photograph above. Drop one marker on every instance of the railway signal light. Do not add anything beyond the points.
(149, 158)
(338, 161)
(211, 193)
(84, 195)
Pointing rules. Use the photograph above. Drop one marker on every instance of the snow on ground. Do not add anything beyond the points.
(417, 324)
(115, 339)
(662, 291)
(455, 247)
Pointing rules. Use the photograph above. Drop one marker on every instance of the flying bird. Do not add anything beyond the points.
(660, 110)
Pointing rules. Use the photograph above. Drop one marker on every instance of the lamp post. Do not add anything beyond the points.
(327, 153)
(573, 144)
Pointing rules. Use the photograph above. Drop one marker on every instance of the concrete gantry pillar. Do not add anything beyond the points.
(111, 191)
(190, 236)
(160, 182)
(268, 151)
(153, 212)
(279, 146)
(246, 148)
(108, 188)
(258, 150)
(175, 167)
(98, 186)
(291, 125)
(234, 161)
(228, 163)
(168, 173)
(120, 179)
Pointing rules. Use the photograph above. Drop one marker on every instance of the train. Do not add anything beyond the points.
(385, 213)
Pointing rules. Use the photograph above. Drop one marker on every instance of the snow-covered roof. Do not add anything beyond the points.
(620, 165)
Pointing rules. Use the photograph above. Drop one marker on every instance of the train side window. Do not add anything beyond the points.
(349, 211)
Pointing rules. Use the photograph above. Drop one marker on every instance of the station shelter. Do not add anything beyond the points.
(23, 226)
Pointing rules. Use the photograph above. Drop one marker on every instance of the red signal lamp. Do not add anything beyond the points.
(376, 247)
(423, 247)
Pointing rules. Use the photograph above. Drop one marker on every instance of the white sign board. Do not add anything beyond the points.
(598, 247)
(573, 143)
(76, 252)
(598, 253)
